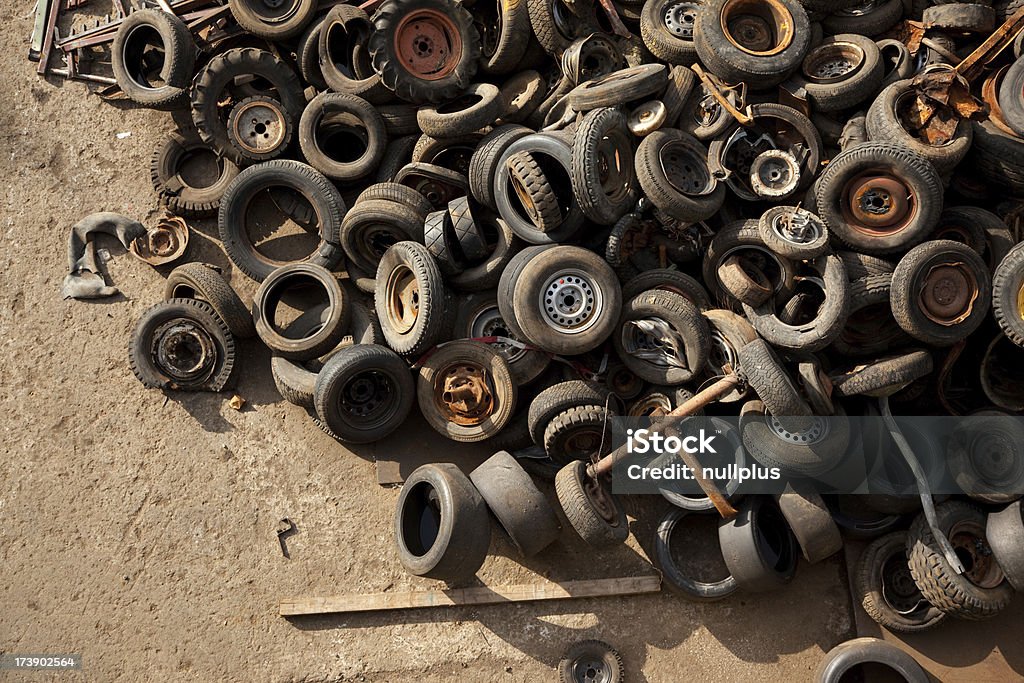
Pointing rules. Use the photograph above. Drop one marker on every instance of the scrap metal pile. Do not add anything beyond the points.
(524, 218)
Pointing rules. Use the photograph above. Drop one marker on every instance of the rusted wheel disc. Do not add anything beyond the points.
(877, 204)
(758, 27)
(403, 299)
(428, 44)
(464, 393)
(948, 293)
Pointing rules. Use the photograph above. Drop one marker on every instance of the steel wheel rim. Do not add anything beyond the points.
(489, 323)
(971, 547)
(571, 302)
(402, 300)
(878, 204)
(947, 293)
(274, 11)
(428, 44)
(368, 398)
(464, 393)
(685, 170)
(833, 63)
(614, 166)
(591, 671)
(817, 431)
(679, 19)
(259, 127)
(183, 350)
(757, 27)
(899, 591)
(797, 227)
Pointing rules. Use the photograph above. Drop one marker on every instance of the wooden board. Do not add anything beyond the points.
(477, 595)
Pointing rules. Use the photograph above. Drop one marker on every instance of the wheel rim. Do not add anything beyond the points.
(464, 393)
(1020, 301)
(899, 590)
(647, 405)
(591, 671)
(368, 398)
(624, 383)
(757, 27)
(259, 127)
(721, 353)
(815, 433)
(679, 18)
(774, 173)
(403, 299)
(948, 292)
(428, 44)
(833, 63)
(570, 302)
(614, 165)
(273, 11)
(376, 239)
(974, 552)
(654, 340)
(489, 323)
(878, 205)
(489, 24)
(183, 350)
(797, 227)
(685, 170)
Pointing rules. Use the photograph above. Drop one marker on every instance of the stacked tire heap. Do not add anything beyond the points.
(545, 218)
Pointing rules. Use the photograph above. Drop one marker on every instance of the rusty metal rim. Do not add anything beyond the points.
(428, 44)
(162, 244)
(898, 588)
(779, 21)
(183, 350)
(273, 129)
(990, 95)
(468, 383)
(968, 540)
(947, 275)
(645, 406)
(686, 170)
(400, 288)
(849, 53)
(857, 220)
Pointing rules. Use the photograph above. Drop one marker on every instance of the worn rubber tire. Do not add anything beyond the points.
(799, 454)
(290, 23)
(563, 432)
(882, 374)
(174, 193)
(846, 657)
(399, 194)
(858, 86)
(483, 105)
(765, 374)
(312, 126)
(179, 58)
(619, 87)
(586, 653)
(560, 397)
(484, 163)
(688, 208)
(431, 324)
(591, 164)
(663, 43)
(985, 457)
(687, 322)
(810, 521)
(582, 515)
(1007, 285)
(318, 341)
(759, 549)
(672, 575)
(892, 548)
(371, 223)
(204, 282)
(519, 506)
(347, 27)
(1005, 533)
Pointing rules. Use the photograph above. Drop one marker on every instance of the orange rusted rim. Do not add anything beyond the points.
(834, 62)
(948, 293)
(463, 393)
(758, 27)
(428, 44)
(971, 547)
(403, 299)
(877, 204)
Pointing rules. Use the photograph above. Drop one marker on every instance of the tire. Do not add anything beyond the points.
(375, 223)
(144, 28)
(829, 92)
(703, 117)
(804, 244)
(559, 398)
(684, 320)
(356, 417)
(961, 16)
(579, 510)
(675, 580)
(603, 179)
(555, 158)
(997, 159)
(216, 82)
(535, 194)
(150, 340)
(670, 281)
(684, 497)
(913, 170)
(744, 281)
(589, 656)
(294, 382)
(204, 282)
(729, 333)
(460, 420)
(810, 452)
(471, 239)
(477, 107)
(578, 433)
(874, 22)
(345, 69)
(437, 184)
(619, 87)
(759, 549)
(886, 590)
(846, 657)
(440, 496)
(1005, 533)
(519, 506)
(428, 324)
(705, 194)
(307, 54)
(399, 194)
(880, 376)
(811, 522)
(397, 155)
(766, 376)
(954, 593)
(275, 22)
(860, 266)
(734, 64)
(564, 274)
(662, 398)
(399, 119)
(165, 170)
(883, 125)
(908, 281)
(502, 53)
(896, 60)
(1009, 97)
(439, 238)
(327, 145)
(681, 82)
(986, 460)
(325, 199)
(522, 94)
(870, 328)
(270, 296)
(1007, 285)
(457, 68)
(667, 29)
(486, 274)
(969, 225)
(484, 163)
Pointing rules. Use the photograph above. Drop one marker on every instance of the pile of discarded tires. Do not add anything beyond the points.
(530, 217)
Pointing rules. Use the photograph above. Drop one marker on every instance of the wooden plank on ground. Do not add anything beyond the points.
(476, 595)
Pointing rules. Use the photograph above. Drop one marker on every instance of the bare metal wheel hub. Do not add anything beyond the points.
(366, 394)
(816, 432)
(971, 547)
(183, 350)
(489, 323)
(258, 126)
(686, 171)
(679, 19)
(774, 173)
(898, 588)
(948, 293)
(463, 393)
(797, 226)
(571, 303)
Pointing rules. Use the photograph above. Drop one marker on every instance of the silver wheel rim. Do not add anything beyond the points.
(489, 323)
(816, 432)
(679, 19)
(797, 227)
(570, 302)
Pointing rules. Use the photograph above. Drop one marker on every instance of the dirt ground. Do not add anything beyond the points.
(138, 528)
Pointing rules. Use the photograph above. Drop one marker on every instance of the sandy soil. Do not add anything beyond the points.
(138, 528)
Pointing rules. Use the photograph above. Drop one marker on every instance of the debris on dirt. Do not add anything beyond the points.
(85, 279)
